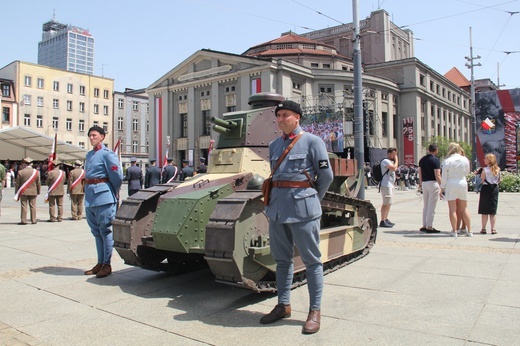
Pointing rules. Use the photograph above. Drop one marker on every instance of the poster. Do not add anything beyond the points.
(408, 140)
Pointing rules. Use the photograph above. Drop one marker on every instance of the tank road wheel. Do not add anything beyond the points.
(367, 221)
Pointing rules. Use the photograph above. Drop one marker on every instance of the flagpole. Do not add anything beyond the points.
(470, 65)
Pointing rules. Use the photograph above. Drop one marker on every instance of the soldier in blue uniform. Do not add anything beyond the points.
(170, 172)
(187, 171)
(134, 176)
(152, 176)
(294, 211)
(103, 180)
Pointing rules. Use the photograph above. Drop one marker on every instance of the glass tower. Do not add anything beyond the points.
(66, 47)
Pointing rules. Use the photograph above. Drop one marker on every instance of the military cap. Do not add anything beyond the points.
(290, 105)
(97, 129)
(78, 163)
(133, 159)
(27, 160)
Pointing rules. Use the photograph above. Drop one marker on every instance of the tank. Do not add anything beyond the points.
(217, 218)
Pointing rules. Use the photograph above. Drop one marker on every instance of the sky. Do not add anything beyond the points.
(137, 42)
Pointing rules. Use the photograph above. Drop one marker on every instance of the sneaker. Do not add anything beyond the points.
(454, 234)
(469, 234)
(385, 224)
(462, 230)
(389, 222)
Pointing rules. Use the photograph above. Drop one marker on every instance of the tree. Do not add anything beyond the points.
(443, 143)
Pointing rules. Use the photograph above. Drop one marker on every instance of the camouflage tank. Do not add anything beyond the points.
(218, 219)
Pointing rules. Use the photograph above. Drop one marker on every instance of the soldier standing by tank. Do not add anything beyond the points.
(186, 170)
(202, 167)
(152, 176)
(103, 179)
(170, 172)
(27, 187)
(294, 212)
(134, 176)
(55, 182)
(75, 189)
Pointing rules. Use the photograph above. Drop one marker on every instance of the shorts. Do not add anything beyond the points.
(388, 195)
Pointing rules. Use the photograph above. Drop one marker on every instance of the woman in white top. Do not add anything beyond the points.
(488, 201)
(454, 186)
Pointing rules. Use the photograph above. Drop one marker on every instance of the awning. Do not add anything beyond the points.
(19, 142)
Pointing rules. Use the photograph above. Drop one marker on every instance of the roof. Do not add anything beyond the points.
(19, 142)
(455, 76)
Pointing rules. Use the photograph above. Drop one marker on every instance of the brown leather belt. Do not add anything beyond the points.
(290, 184)
(96, 181)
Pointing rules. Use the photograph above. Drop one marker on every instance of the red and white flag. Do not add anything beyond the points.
(210, 148)
(116, 147)
(487, 124)
(53, 154)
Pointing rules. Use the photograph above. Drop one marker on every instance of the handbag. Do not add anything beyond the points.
(267, 184)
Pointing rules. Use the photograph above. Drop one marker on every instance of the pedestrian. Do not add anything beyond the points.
(299, 183)
(103, 179)
(488, 200)
(169, 172)
(202, 167)
(429, 183)
(186, 170)
(388, 168)
(152, 176)
(26, 188)
(134, 176)
(76, 190)
(9, 178)
(3, 176)
(454, 186)
(55, 182)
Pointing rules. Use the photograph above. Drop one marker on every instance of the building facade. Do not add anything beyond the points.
(52, 100)
(66, 47)
(8, 103)
(132, 125)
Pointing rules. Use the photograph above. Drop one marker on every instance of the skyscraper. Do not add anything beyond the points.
(67, 47)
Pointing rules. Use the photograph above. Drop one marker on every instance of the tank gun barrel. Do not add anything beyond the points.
(223, 123)
(221, 129)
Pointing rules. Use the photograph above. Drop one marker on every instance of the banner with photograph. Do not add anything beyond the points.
(408, 140)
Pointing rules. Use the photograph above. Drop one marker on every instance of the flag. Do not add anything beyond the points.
(53, 154)
(487, 124)
(256, 86)
(116, 147)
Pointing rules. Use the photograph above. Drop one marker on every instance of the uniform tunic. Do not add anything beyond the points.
(294, 213)
(101, 198)
(152, 176)
(169, 174)
(134, 176)
(56, 195)
(28, 198)
(77, 194)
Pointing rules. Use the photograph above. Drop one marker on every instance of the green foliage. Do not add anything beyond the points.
(443, 143)
(509, 182)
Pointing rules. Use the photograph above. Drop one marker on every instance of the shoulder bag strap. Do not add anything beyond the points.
(285, 152)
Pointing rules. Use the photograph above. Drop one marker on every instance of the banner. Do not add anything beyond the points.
(52, 155)
(408, 140)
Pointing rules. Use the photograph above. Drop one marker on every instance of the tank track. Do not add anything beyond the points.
(363, 210)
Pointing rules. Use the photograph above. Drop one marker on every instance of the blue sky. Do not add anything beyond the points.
(137, 42)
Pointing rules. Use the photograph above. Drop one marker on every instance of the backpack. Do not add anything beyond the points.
(376, 172)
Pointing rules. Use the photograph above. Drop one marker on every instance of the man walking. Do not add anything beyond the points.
(152, 176)
(429, 182)
(75, 189)
(103, 178)
(27, 187)
(388, 168)
(134, 176)
(55, 182)
(170, 172)
(294, 211)
(3, 175)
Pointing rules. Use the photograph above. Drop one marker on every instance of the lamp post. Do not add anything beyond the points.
(358, 103)
(470, 65)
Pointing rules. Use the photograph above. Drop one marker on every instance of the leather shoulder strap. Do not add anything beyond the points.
(285, 152)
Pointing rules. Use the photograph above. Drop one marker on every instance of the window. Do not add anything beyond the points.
(27, 81)
(68, 124)
(82, 90)
(39, 101)
(105, 110)
(184, 125)
(120, 103)
(68, 142)
(6, 90)
(105, 94)
(96, 92)
(105, 126)
(69, 88)
(135, 125)
(96, 123)
(147, 126)
(27, 100)
(39, 121)
(313, 64)
(135, 146)
(55, 123)
(135, 105)
(231, 109)
(96, 109)
(69, 105)
(56, 86)
(120, 124)
(81, 126)
(82, 107)
(6, 114)
(206, 130)
(422, 80)
(55, 103)
(326, 65)
(27, 120)
(40, 83)
(81, 145)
